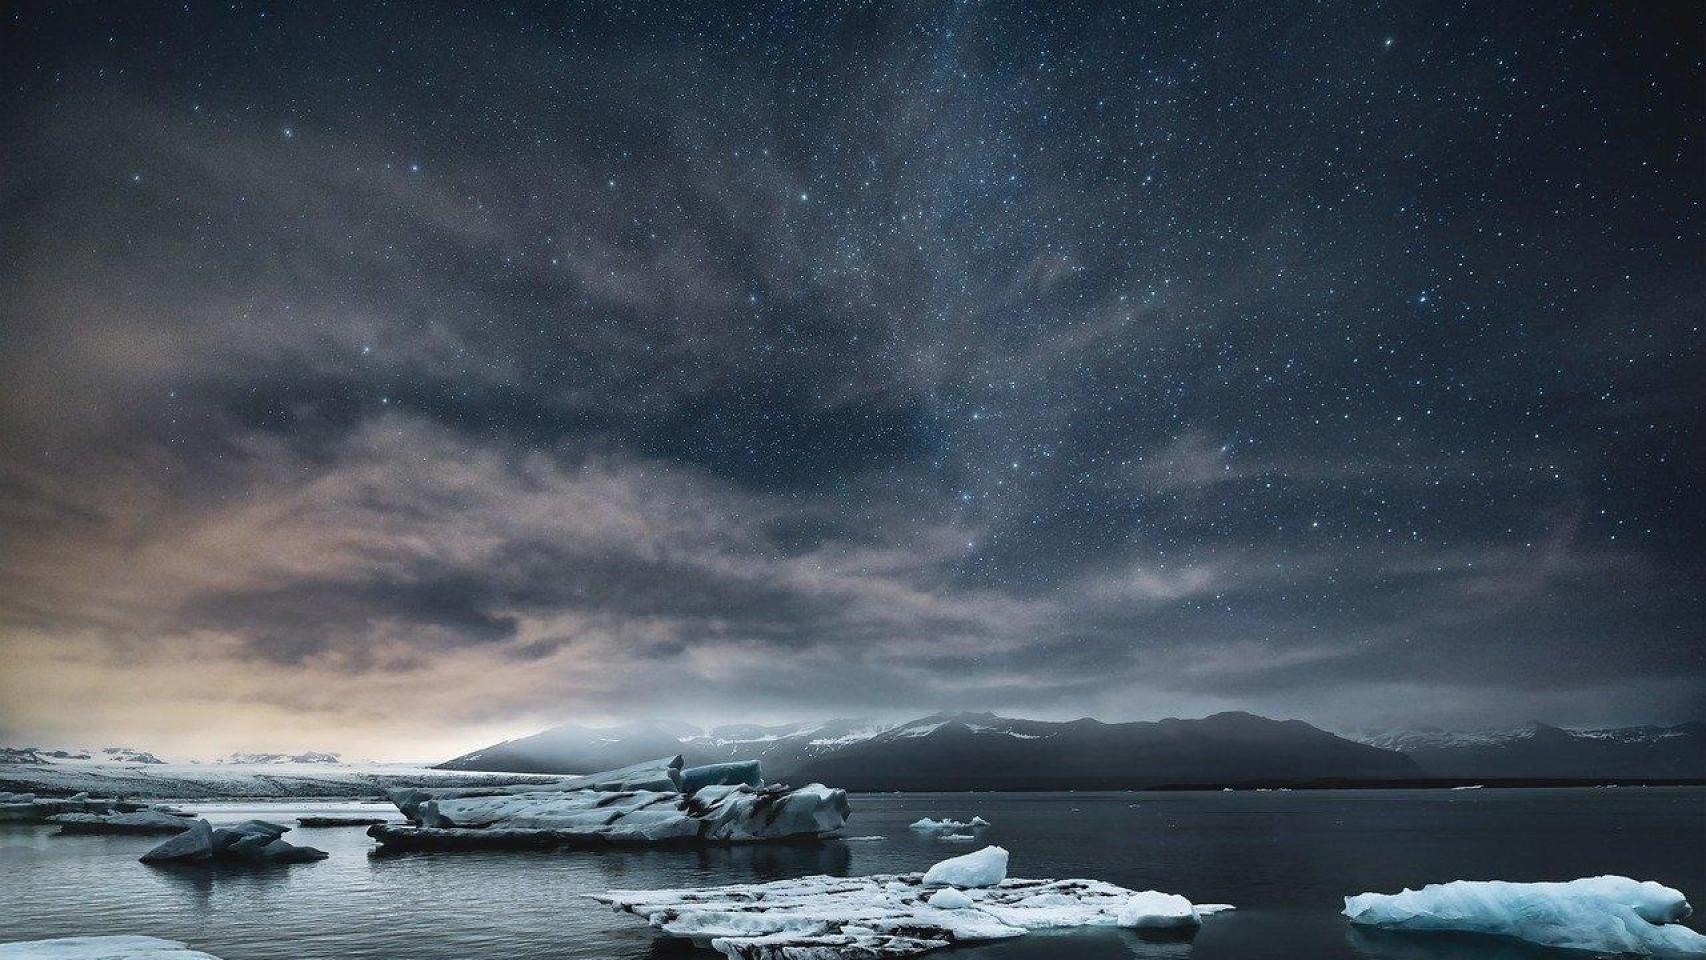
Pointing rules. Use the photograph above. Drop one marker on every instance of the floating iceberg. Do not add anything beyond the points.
(946, 828)
(254, 841)
(141, 821)
(101, 948)
(885, 916)
(1601, 914)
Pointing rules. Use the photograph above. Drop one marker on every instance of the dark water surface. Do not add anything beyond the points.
(1284, 859)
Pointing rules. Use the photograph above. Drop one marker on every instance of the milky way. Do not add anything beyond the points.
(391, 376)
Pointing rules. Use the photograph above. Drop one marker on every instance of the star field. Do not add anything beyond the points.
(511, 364)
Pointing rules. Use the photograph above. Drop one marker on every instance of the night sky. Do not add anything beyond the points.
(392, 377)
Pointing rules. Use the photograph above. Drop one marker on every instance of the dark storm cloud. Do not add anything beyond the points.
(1069, 360)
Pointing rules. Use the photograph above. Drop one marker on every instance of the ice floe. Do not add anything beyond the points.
(30, 807)
(252, 841)
(101, 948)
(1603, 914)
(891, 915)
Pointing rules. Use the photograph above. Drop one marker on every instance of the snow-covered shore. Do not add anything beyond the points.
(207, 781)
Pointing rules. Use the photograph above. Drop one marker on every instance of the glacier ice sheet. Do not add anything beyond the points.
(1607, 914)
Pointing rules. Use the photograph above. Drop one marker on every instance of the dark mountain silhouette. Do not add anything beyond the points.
(1543, 751)
(975, 751)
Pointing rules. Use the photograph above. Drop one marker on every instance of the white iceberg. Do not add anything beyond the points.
(884, 916)
(949, 899)
(1153, 910)
(1602, 914)
(945, 828)
(984, 868)
(101, 948)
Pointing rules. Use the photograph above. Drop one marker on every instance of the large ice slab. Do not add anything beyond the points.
(660, 775)
(1603, 914)
(736, 812)
(884, 916)
(101, 948)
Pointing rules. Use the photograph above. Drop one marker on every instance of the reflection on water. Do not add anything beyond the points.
(1391, 945)
(1286, 860)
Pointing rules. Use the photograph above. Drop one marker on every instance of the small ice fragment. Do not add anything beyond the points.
(983, 868)
(948, 899)
(1152, 909)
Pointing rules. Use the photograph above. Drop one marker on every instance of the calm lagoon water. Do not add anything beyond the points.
(1285, 860)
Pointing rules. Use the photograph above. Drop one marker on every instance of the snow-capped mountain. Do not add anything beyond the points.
(310, 756)
(574, 749)
(1543, 751)
(974, 751)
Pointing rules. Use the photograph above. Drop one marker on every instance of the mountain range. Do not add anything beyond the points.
(983, 751)
(1542, 751)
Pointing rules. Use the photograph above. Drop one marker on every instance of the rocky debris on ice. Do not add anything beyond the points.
(315, 821)
(101, 948)
(29, 807)
(889, 915)
(140, 821)
(250, 841)
(946, 829)
(1601, 914)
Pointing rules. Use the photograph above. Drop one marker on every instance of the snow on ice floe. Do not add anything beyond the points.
(1602, 914)
(101, 948)
(891, 915)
